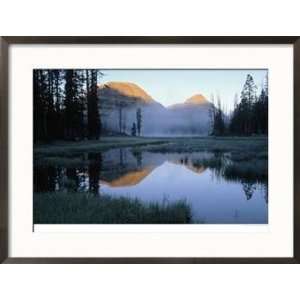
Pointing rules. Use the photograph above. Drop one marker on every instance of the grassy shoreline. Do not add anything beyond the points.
(86, 208)
(162, 144)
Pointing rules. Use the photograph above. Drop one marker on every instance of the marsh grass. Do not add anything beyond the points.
(86, 208)
(242, 167)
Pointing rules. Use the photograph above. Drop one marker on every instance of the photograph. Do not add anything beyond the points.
(150, 146)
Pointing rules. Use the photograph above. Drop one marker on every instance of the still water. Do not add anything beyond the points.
(200, 179)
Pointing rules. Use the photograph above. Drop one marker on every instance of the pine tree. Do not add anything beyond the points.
(261, 112)
(70, 93)
(121, 115)
(217, 117)
(58, 103)
(265, 101)
(249, 90)
(43, 105)
(139, 121)
(212, 114)
(94, 122)
(47, 94)
(243, 119)
(248, 98)
(39, 105)
(133, 129)
(50, 115)
(233, 125)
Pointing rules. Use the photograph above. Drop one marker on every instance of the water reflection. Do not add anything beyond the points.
(129, 179)
(218, 189)
(94, 169)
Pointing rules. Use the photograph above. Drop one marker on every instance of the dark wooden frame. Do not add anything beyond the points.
(5, 43)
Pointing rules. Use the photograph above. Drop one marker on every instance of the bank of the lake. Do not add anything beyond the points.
(87, 208)
(167, 144)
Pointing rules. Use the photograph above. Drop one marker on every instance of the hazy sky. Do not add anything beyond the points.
(175, 86)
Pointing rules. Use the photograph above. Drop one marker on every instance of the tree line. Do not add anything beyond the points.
(249, 116)
(65, 104)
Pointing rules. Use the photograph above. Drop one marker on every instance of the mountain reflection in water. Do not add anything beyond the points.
(201, 179)
(129, 179)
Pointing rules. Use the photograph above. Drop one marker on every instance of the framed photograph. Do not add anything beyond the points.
(150, 150)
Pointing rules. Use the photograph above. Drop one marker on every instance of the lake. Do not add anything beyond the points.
(218, 189)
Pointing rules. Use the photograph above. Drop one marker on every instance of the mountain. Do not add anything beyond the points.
(126, 89)
(192, 102)
(197, 99)
(119, 102)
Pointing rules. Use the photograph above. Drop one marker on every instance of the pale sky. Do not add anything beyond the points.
(175, 86)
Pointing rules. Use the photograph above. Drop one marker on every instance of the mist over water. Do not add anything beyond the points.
(118, 112)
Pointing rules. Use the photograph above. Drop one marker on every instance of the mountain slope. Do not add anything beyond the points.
(126, 89)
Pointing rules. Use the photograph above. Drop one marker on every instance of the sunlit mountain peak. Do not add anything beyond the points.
(197, 99)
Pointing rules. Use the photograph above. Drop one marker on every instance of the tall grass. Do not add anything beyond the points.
(241, 167)
(85, 208)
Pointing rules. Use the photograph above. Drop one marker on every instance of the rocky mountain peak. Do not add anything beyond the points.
(128, 89)
(197, 99)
